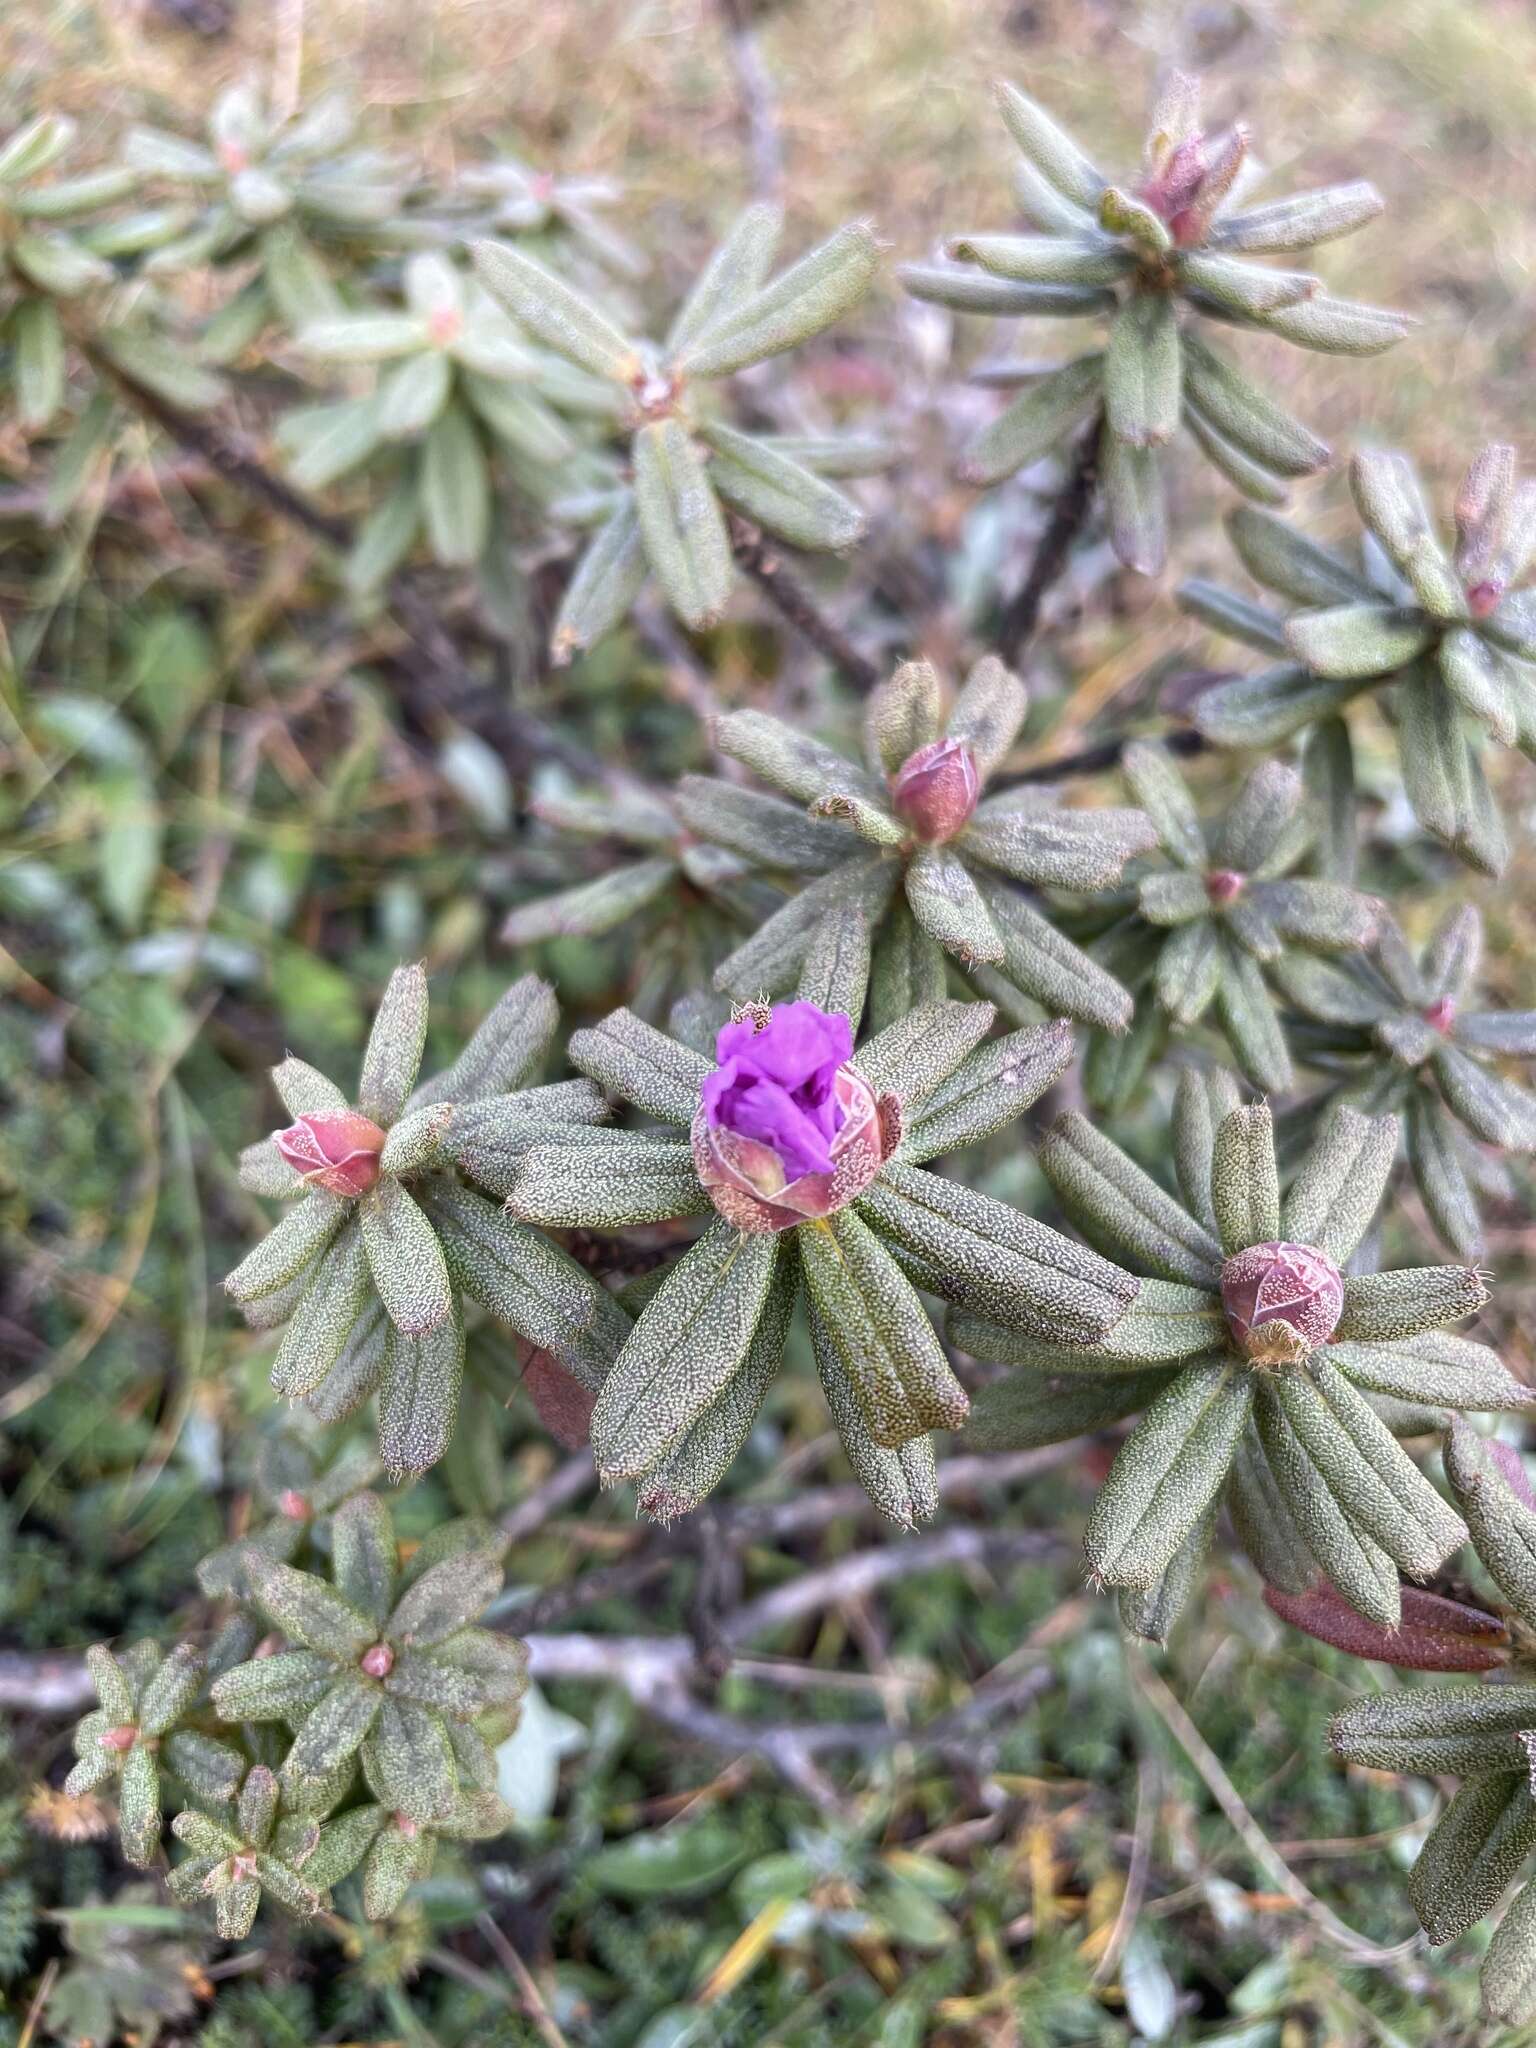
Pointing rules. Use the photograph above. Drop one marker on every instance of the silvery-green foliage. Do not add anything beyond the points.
(1439, 627)
(381, 1664)
(1480, 1734)
(458, 391)
(297, 1491)
(1204, 935)
(689, 469)
(683, 1390)
(1152, 259)
(1402, 1032)
(685, 899)
(60, 234)
(926, 904)
(255, 169)
(1315, 1481)
(142, 1729)
(370, 1290)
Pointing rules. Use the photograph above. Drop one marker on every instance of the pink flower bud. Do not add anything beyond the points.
(121, 1738)
(935, 790)
(1441, 1014)
(1224, 886)
(334, 1149)
(242, 1867)
(293, 1506)
(379, 1661)
(1175, 186)
(1282, 1301)
(409, 1828)
(1483, 599)
(445, 324)
(746, 1178)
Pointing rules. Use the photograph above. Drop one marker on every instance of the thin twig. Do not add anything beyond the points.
(1372, 1954)
(567, 1483)
(851, 1577)
(44, 1685)
(959, 1479)
(1069, 515)
(455, 691)
(788, 594)
(765, 149)
(1097, 759)
(532, 1998)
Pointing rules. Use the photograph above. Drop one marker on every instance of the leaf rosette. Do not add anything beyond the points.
(1155, 257)
(1441, 633)
(685, 465)
(1404, 1033)
(1206, 934)
(937, 869)
(390, 1235)
(1269, 1382)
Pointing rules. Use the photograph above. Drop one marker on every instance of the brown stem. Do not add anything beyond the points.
(1069, 514)
(1096, 759)
(440, 671)
(765, 149)
(789, 595)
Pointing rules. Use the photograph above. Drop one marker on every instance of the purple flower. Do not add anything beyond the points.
(787, 1131)
(777, 1085)
(935, 790)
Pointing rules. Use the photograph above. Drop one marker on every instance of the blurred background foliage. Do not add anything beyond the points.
(228, 811)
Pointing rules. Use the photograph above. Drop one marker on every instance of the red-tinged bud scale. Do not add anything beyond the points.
(1282, 1301)
(379, 1661)
(935, 790)
(746, 1180)
(334, 1149)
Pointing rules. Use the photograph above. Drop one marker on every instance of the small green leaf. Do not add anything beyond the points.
(1166, 1475)
(690, 1341)
(823, 285)
(455, 485)
(406, 1260)
(880, 1331)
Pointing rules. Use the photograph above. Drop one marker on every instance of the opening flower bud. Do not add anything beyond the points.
(1224, 886)
(334, 1149)
(935, 790)
(786, 1129)
(1282, 1301)
(379, 1661)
